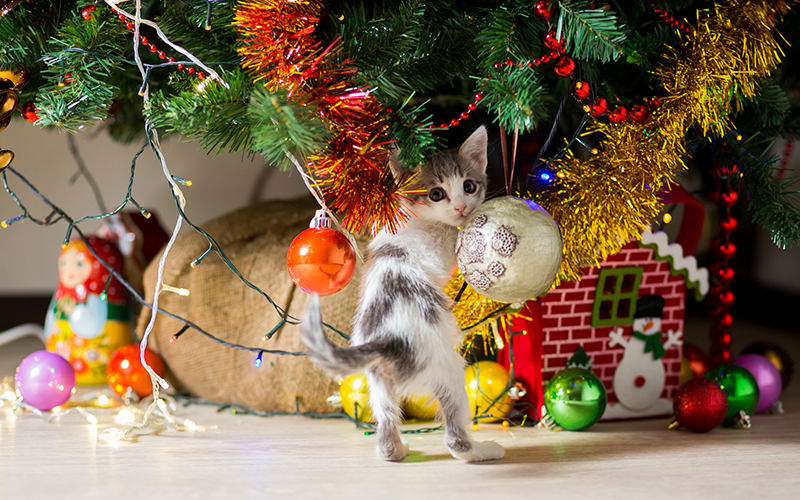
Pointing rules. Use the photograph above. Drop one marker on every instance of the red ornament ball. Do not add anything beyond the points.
(700, 405)
(600, 107)
(86, 13)
(552, 42)
(726, 250)
(729, 198)
(729, 224)
(565, 66)
(619, 114)
(28, 112)
(321, 260)
(581, 90)
(126, 372)
(541, 9)
(697, 362)
(639, 113)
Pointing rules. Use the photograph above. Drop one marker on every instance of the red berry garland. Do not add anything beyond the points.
(722, 297)
(153, 48)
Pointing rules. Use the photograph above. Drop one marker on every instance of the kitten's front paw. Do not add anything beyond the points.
(480, 452)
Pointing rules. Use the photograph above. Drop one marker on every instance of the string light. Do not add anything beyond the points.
(180, 332)
(258, 359)
(180, 291)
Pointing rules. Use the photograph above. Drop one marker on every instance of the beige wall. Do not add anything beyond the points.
(28, 252)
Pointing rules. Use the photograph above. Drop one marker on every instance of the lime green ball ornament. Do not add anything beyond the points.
(741, 388)
(575, 398)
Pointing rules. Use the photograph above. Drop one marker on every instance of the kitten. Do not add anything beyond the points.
(404, 335)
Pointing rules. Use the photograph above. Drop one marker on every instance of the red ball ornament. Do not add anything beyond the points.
(600, 107)
(126, 373)
(725, 275)
(639, 113)
(553, 43)
(28, 112)
(565, 66)
(619, 114)
(654, 103)
(86, 13)
(726, 250)
(321, 260)
(729, 198)
(581, 90)
(700, 405)
(698, 361)
(541, 9)
(728, 225)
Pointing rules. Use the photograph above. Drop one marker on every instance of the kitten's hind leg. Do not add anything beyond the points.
(387, 413)
(455, 409)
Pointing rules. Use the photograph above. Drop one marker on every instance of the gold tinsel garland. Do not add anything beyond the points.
(604, 202)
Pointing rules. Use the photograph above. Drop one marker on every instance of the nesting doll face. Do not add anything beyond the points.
(74, 266)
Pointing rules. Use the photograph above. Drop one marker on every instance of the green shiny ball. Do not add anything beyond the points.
(740, 386)
(575, 398)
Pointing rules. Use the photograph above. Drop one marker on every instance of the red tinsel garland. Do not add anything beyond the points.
(353, 172)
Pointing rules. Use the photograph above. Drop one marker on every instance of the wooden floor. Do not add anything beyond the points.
(243, 456)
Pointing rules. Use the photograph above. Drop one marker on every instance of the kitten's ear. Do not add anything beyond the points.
(474, 149)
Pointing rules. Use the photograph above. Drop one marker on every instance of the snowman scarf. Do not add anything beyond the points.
(652, 343)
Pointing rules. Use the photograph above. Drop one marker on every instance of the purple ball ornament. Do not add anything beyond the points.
(767, 377)
(45, 380)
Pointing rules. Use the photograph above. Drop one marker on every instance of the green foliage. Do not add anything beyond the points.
(770, 106)
(82, 58)
(185, 24)
(283, 130)
(773, 204)
(26, 31)
(513, 93)
(407, 47)
(645, 48)
(413, 135)
(215, 115)
(590, 33)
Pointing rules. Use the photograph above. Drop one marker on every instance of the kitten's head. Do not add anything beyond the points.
(454, 182)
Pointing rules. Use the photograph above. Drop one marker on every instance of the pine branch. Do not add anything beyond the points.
(513, 93)
(78, 92)
(770, 107)
(773, 205)
(215, 115)
(413, 135)
(186, 24)
(590, 33)
(644, 49)
(25, 32)
(283, 130)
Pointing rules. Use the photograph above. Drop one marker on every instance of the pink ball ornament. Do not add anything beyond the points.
(767, 377)
(45, 380)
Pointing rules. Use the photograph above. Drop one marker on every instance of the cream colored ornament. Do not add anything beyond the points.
(509, 249)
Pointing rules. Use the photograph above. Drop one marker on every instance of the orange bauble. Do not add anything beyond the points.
(126, 372)
(321, 260)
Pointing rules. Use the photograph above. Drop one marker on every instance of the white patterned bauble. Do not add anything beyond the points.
(509, 249)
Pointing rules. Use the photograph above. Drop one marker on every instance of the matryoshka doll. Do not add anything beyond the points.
(83, 324)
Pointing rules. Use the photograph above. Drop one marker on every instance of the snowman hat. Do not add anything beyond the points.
(650, 306)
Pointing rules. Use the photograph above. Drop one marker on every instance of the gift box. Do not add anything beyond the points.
(627, 314)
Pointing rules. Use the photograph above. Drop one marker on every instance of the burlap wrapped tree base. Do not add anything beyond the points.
(255, 239)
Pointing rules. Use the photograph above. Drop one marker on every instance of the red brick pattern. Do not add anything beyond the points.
(567, 315)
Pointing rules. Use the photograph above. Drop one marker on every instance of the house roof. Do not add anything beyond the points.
(696, 277)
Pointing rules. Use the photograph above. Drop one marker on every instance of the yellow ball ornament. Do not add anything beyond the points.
(487, 381)
(355, 394)
(423, 406)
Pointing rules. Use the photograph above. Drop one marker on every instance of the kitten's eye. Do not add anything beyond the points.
(436, 194)
(470, 186)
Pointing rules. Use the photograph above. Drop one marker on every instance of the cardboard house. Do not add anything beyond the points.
(636, 289)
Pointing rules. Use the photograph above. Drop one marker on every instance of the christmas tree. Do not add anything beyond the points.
(623, 96)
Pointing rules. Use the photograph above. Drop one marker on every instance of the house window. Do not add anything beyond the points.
(615, 296)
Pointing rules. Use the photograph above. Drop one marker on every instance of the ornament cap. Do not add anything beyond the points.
(321, 219)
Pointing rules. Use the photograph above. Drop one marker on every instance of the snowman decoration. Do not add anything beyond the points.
(639, 377)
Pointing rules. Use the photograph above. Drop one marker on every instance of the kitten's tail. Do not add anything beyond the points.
(327, 355)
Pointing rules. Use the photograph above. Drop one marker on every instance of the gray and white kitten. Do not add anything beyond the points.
(404, 335)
